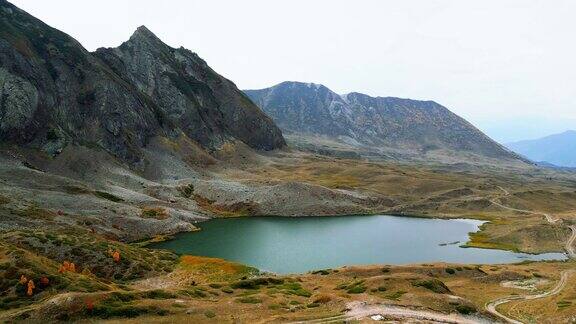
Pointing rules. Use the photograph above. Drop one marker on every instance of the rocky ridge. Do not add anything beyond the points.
(54, 93)
(402, 125)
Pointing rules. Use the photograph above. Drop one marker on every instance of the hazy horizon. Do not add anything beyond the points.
(495, 63)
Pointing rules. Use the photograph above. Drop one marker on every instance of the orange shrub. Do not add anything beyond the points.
(116, 256)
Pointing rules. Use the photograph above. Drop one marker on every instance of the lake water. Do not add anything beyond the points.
(294, 245)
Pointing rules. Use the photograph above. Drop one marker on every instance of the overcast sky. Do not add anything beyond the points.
(493, 62)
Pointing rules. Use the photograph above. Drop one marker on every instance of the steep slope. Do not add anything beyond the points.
(557, 149)
(402, 125)
(206, 106)
(53, 93)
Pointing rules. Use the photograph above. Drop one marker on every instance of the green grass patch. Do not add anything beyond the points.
(563, 304)
(294, 288)
(158, 294)
(249, 300)
(434, 285)
(395, 296)
(256, 283)
(356, 287)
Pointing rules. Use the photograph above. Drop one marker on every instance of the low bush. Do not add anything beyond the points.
(434, 285)
(249, 300)
(465, 309)
(155, 213)
(294, 288)
(256, 283)
(108, 196)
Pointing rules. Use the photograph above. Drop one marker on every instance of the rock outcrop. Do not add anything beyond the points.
(53, 93)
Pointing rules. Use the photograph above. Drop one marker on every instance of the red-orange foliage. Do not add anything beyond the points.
(89, 304)
(23, 279)
(31, 287)
(44, 281)
(116, 256)
(67, 266)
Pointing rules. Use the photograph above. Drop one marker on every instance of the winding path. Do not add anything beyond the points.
(491, 306)
(570, 243)
(569, 247)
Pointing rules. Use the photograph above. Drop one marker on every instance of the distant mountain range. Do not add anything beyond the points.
(557, 149)
(394, 127)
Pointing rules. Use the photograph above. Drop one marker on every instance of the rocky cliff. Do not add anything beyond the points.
(54, 93)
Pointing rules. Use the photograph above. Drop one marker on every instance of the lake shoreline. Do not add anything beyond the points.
(460, 253)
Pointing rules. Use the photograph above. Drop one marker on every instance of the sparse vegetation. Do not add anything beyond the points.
(3, 200)
(155, 213)
(294, 288)
(434, 285)
(108, 196)
(187, 191)
(356, 287)
(249, 300)
(465, 309)
(396, 295)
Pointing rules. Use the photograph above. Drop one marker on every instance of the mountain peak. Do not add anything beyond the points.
(143, 33)
(386, 125)
(298, 84)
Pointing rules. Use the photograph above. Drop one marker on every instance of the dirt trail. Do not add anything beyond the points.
(570, 243)
(548, 217)
(361, 310)
(569, 247)
(491, 306)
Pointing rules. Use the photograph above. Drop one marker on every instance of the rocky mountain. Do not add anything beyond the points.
(54, 93)
(557, 149)
(378, 123)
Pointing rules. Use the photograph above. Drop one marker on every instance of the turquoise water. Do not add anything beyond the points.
(294, 245)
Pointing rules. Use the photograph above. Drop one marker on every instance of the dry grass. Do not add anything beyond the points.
(435, 192)
(234, 210)
(154, 212)
(213, 269)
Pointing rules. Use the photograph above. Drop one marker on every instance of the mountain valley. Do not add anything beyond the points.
(104, 153)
